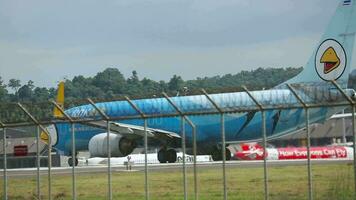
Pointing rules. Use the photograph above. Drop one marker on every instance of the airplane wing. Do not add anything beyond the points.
(340, 116)
(134, 131)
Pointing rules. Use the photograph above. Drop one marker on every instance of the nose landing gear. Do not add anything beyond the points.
(70, 161)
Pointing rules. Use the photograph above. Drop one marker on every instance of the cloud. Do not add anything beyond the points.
(46, 66)
(46, 41)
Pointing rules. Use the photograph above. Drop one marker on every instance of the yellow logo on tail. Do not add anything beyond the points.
(44, 137)
(330, 59)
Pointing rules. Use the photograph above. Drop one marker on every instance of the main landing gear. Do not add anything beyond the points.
(165, 155)
(216, 155)
(70, 160)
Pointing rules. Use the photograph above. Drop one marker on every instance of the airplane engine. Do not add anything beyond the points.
(120, 146)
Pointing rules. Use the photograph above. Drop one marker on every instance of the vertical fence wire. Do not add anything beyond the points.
(74, 162)
(306, 109)
(5, 163)
(343, 128)
(147, 197)
(109, 160)
(108, 148)
(354, 144)
(183, 159)
(223, 151)
(143, 116)
(195, 163)
(49, 167)
(264, 141)
(310, 179)
(74, 154)
(223, 142)
(38, 162)
(194, 137)
(182, 119)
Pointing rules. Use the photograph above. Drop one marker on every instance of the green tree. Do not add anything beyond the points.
(150, 87)
(162, 86)
(24, 93)
(134, 78)
(41, 94)
(15, 84)
(175, 84)
(30, 84)
(134, 85)
(111, 79)
(3, 91)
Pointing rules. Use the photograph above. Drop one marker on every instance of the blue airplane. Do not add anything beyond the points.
(330, 61)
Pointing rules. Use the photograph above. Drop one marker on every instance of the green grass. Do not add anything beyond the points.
(329, 182)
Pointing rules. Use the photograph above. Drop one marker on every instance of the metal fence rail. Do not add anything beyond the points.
(184, 118)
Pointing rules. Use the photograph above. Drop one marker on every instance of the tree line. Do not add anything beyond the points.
(111, 83)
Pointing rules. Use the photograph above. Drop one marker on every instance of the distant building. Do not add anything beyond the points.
(337, 129)
(21, 149)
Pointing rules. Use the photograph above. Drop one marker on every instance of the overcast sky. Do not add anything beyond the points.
(45, 41)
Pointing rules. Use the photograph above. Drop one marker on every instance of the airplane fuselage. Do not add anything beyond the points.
(242, 126)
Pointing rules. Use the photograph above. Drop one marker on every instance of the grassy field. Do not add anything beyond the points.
(329, 182)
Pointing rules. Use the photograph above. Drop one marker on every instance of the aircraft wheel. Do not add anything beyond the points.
(217, 154)
(171, 156)
(162, 156)
(228, 154)
(70, 161)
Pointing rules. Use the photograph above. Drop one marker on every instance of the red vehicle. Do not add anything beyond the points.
(253, 151)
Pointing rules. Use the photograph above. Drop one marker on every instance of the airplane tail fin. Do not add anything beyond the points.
(59, 100)
(51, 129)
(331, 60)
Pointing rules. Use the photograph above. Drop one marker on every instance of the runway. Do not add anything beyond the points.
(23, 172)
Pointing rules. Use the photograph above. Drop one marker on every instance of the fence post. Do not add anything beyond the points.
(49, 145)
(223, 149)
(306, 108)
(4, 160)
(183, 142)
(194, 135)
(38, 162)
(190, 122)
(145, 144)
(352, 104)
(74, 156)
(354, 144)
(264, 140)
(107, 119)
